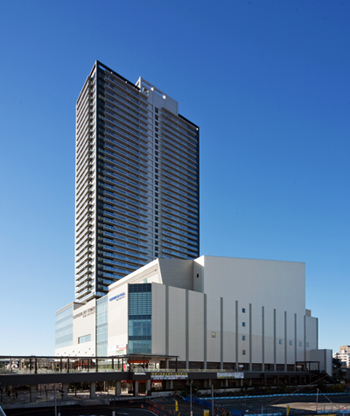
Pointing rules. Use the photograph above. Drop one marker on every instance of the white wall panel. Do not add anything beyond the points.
(177, 322)
(229, 330)
(158, 319)
(196, 326)
(118, 317)
(311, 332)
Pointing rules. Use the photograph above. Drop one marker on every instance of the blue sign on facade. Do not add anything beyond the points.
(118, 297)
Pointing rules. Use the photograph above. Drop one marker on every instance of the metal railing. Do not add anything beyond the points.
(56, 365)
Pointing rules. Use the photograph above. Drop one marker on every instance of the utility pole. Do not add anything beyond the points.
(191, 398)
(55, 402)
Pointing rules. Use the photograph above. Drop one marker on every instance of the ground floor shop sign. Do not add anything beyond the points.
(169, 376)
(230, 375)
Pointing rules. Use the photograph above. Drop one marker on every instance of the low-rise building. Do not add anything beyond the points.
(211, 312)
(343, 355)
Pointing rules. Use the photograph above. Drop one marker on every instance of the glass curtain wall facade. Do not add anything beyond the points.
(140, 319)
(137, 181)
(102, 326)
(64, 327)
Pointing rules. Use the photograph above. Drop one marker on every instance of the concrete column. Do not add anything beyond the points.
(236, 341)
(274, 340)
(169, 384)
(295, 340)
(65, 391)
(285, 342)
(304, 338)
(221, 333)
(205, 331)
(250, 338)
(187, 330)
(118, 388)
(136, 388)
(226, 382)
(32, 393)
(167, 325)
(263, 338)
(148, 386)
(93, 390)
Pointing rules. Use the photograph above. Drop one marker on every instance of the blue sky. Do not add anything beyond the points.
(266, 81)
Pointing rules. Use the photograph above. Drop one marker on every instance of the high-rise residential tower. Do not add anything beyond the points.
(137, 181)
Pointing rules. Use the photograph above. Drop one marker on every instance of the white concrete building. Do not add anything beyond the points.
(343, 355)
(211, 312)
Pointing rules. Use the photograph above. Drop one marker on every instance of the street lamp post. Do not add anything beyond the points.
(212, 401)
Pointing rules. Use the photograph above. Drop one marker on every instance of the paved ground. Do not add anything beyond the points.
(298, 405)
(166, 407)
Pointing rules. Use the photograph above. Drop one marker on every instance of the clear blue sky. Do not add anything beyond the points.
(266, 81)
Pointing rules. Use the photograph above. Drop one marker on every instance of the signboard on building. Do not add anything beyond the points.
(230, 375)
(85, 313)
(169, 376)
(118, 297)
(118, 349)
